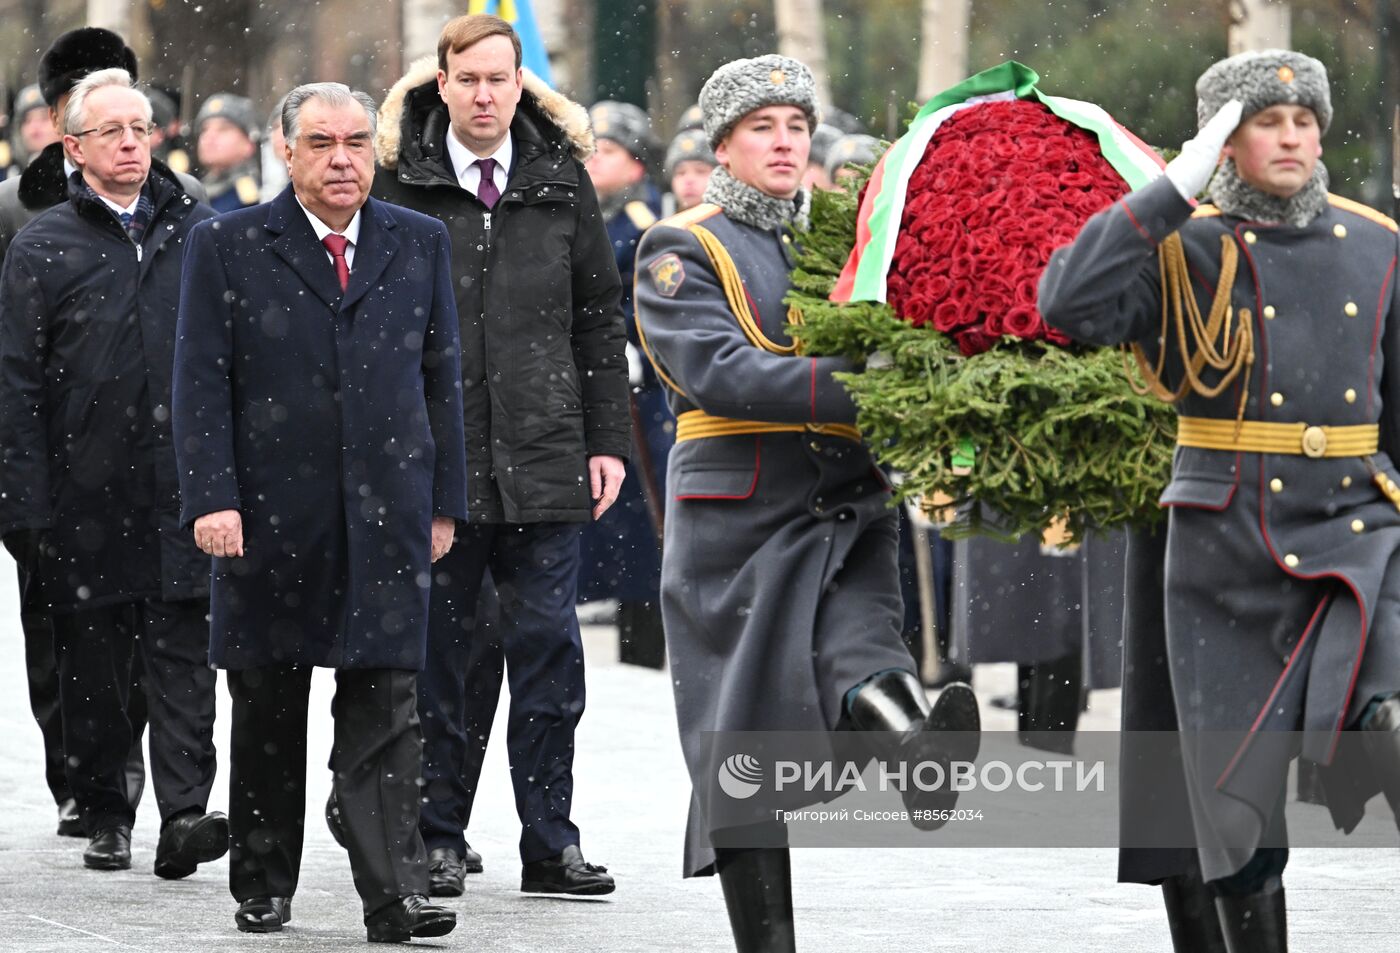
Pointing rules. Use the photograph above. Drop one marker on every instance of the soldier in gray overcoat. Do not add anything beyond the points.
(779, 584)
(1278, 301)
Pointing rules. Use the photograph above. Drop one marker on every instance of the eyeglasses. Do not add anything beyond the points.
(113, 131)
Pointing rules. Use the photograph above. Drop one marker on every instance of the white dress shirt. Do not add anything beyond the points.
(351, 233)
(469, 173)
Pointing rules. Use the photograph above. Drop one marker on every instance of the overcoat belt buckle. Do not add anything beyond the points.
(1314, 442)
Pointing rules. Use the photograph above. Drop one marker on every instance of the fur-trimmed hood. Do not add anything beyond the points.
(568, 121)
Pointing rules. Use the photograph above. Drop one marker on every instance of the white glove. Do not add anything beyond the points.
(1191, 171)
(634, 366)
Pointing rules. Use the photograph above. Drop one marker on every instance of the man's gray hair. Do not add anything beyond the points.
(337, 95)
(77, 99)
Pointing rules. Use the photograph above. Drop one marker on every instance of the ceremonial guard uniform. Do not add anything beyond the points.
(1280, 600)
(779, 584)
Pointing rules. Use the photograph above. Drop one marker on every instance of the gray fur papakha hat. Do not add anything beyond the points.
(690, 145)
(739, 87)
(1264, 78)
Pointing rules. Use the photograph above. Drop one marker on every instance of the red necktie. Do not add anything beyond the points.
(487, 191)
(336, 245)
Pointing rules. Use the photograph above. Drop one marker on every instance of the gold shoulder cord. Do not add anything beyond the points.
(733, 285)
(1196, 337)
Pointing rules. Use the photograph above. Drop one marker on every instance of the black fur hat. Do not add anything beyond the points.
(77, 53)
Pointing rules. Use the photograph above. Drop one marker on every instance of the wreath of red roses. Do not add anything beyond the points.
(1000, 186)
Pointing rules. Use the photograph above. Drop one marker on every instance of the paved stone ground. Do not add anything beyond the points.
(631, 796)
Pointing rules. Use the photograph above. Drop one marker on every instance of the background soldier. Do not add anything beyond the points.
(226, 145)
(689, 162)
(31, 129)
(621, 552)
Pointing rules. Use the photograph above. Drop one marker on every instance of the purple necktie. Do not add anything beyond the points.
(487, 191)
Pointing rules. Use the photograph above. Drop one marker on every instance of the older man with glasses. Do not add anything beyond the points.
(89, 496)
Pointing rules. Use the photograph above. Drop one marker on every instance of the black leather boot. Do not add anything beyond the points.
(1381, 735)
(1191, 914)
(757, 885)
(894, 704)
(1254, 923)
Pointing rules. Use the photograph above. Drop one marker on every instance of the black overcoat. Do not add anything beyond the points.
(332, 422)
(87, 330)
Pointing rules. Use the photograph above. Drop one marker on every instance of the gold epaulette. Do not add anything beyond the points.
(691, 216)
(639, 215)
(247, 189)
(1365, 211)
(1205, 211)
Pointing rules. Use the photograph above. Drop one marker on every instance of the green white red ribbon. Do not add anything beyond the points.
(877, 225)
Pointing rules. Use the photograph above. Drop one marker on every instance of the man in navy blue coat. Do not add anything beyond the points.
(318, 421)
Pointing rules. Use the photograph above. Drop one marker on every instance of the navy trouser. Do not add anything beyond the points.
(535, 570)
(95, 650)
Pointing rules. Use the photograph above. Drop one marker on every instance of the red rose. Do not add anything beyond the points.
(963, 266)
(937, 287)
(951, 315)
(1022, 321)
(974, 341)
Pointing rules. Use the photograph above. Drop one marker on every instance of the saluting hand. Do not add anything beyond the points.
(1191, 171)
(605, 476)
(220, 533)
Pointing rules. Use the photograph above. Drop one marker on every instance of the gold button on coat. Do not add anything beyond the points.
(1290, 560)
(1250, 238)
(1339, 230)
(1351, 309)
(1346, 482)
(1276, 485)
(1357, 526)
(1350, 396)
(1276, 399)
(1269, 311)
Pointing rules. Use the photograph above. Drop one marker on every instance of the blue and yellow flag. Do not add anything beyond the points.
(519, 15)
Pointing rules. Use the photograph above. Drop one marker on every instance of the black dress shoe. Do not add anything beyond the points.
(109, 849)
(263, 914)
(471, 861)
(334, 821)
(445, 873)
(70, 822)
(189, 840)
(408, 917)
(568, 873)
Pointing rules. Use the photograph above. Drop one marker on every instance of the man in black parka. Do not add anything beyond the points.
(497, 156)
(42, 185)
(89, 496)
